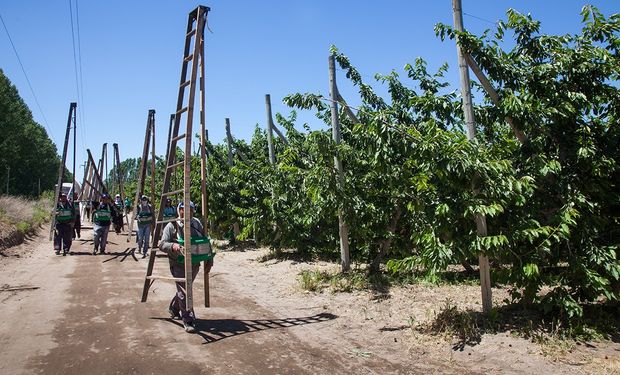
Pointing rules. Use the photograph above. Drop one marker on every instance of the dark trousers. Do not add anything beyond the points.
(178, 301)
(77, 229)
(63, 236)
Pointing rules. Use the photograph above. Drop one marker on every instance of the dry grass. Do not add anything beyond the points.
(23, 213)
(16, 209)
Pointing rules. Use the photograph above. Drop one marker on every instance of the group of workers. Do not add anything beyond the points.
(105, 212)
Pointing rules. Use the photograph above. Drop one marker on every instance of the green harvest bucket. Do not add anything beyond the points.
(200, 250)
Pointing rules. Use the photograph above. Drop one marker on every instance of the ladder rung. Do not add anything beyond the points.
(180, 279)
(184, 109)
(176, 164)
(191, 33)
(185, 84)
(178, 137)
(189, 58)
(172, 192)
(166, 221)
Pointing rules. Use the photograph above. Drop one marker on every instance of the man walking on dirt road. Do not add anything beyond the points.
(169, 244)
(77, 227)
(102, 217)
(145, 218)
(65, 217)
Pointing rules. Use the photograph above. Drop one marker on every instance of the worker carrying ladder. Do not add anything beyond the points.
(192, 67)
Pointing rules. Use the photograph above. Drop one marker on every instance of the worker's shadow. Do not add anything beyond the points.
(128, 252)
(212, 330)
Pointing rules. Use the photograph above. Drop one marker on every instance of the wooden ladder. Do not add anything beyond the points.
(193, 54)
(61, 167)
(120, 182)
(149, 137)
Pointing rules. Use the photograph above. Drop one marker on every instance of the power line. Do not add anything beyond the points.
(480, 18)
(36, 100)
(77, 22)
(77, 56)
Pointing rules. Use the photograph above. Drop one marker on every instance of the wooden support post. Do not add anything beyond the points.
(280, 135)
(272, 151)
(347, 110)
(486, 84)
(61, 169)
(229, 141)
(343, 229)
(481, 225)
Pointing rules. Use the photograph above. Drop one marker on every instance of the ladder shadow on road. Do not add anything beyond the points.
(212, 330)
(130, 251)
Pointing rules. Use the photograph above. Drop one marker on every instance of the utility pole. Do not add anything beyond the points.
(481, 223)
(343, 229)
(8, 176)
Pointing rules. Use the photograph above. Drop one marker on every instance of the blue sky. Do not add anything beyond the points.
(131, 56)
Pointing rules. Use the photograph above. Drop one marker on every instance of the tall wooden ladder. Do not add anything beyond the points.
(61, 167)
(192, 68)
(120, 182)
(149, 137)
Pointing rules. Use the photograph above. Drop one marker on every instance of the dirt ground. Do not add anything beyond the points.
(81, 314)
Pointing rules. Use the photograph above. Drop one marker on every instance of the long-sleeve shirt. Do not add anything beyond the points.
(173, 232)
(144, 216)
(103, 214)
(65, 213)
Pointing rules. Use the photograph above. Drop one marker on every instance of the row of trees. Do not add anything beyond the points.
(28, 157)
(551, 199)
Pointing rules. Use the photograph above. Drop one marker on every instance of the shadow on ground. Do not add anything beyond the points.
(212, 330)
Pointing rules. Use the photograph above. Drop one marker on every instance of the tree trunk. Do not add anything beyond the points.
(386, 243)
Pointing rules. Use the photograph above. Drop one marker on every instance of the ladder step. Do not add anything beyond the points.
(184, 109)
(166, 221)
(185, 84)
(178, 137)
(172, 192)
(191, 33)
(176, 164)
(180, 279)
(188, 58)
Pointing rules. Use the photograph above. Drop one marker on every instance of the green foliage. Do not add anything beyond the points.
(25, 146)
(414, 184)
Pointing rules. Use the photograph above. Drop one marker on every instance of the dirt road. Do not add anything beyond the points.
(81, 314)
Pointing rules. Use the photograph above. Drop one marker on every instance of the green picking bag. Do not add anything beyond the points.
(200, 249)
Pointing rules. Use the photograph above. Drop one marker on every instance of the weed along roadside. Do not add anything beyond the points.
(403, 222)
(20, 218)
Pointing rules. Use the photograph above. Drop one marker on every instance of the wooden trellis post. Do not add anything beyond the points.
(481, 222)
(229, 143)
(272, 152)
(343, 229)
